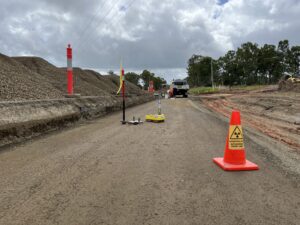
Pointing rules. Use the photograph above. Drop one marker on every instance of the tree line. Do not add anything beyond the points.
(250, 64)
(142, 80)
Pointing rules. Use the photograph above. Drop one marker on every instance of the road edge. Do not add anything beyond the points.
(284, 157)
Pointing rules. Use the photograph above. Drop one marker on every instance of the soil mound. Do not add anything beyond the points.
(130, 87)
(57, 76)
(289, 83)
(24, 78)
(17, 82)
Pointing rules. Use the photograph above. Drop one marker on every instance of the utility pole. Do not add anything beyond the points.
(212, 74)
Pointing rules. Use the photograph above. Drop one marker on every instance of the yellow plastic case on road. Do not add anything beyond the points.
(155, 118)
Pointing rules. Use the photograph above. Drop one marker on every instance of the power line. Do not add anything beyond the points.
(85, 41)
(116, 18)
(101, 21)
(83, 31)
(110, 23)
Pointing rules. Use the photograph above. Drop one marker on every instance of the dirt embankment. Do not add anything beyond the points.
(86, 82)
(21, 120)
(274, 113)
(32, 97)
(18, 82)
(31, 78)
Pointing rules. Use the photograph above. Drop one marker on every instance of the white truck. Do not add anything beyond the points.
(179, 87)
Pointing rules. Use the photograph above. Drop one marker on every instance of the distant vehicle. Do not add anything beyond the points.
(178, 87)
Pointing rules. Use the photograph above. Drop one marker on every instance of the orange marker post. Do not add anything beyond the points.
(69, 70)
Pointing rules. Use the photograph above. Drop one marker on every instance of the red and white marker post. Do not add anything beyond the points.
(151, 86)
(69, 70)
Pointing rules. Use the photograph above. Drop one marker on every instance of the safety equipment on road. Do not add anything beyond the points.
(134, 121)
(121, 78)
(122, 87)
(234, 155)
(155, 118)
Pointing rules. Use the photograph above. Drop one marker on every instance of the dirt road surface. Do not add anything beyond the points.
(105, 173)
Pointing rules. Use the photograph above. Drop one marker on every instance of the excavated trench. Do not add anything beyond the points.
(22, 120)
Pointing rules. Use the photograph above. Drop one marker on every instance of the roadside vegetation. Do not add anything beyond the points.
(250, 64)
(210, 90)
(203, 90)
(142, 80)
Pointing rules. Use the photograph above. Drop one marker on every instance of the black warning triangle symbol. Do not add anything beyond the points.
(236, 133)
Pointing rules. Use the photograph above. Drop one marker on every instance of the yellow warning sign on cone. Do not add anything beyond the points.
(236, 139)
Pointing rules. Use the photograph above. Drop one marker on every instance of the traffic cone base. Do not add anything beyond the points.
(237, 167)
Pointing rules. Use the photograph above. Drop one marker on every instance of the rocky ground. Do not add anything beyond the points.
(18, 82)
(30, 78)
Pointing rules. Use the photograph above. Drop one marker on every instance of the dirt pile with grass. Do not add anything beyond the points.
(292, 84)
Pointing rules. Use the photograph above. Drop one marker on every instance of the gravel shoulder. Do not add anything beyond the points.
(105, 173)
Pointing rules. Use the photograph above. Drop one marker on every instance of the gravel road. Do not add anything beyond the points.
(105, 173)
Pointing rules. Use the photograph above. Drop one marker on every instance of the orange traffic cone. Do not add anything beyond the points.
(235, 156)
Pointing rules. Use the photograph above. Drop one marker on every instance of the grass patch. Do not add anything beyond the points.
(248, 88)
(203, 90)
(210, 90)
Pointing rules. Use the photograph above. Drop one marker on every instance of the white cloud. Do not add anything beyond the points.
(147, 34)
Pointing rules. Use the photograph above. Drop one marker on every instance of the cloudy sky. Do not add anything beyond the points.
(159, 35)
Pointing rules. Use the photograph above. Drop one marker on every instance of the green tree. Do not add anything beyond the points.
(268, 64)
(132, 77)
(192, 70)
(146, 76)
(111, 72)
(228, 68)
(247, 60)
(248, 65)
(158, 82)
(295, 55)
(285, 56)
(199, 70)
